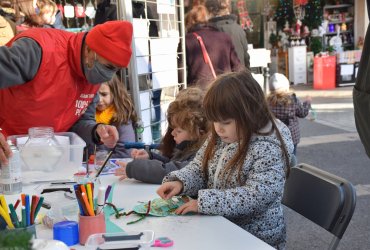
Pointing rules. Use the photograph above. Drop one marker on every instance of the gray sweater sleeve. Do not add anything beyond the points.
(152, 171)
(20, 62)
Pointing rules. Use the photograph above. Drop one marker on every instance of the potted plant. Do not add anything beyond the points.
(315, 45)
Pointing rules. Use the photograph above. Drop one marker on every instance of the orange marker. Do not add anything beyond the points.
(89, 208)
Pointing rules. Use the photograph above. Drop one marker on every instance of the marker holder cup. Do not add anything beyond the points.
(30, 229)
(89, 225)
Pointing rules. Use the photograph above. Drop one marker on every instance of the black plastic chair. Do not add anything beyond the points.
(324, 198)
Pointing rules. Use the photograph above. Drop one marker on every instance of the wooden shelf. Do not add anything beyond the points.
(337, 6)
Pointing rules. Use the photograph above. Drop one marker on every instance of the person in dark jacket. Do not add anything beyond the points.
(187, 130)
(361, 93)
(221, 18)
(218, 44)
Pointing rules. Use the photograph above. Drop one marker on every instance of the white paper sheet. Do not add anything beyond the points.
(141, 27)
(145, 100)
(166, 7)
(142, 64)
(142, 47)
(167, 45)
(164, 62)
(346, 69)
(164, 79)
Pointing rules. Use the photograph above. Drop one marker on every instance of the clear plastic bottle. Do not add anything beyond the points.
(42, 150)
(11, 174)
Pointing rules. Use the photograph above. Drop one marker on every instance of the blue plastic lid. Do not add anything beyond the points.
(67, 232)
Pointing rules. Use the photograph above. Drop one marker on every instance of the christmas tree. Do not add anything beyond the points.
(284, 12)
(313, 14)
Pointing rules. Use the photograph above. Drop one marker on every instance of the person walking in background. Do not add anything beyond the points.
(221, 18)
(186, 132)
(219, 46)
(116, 108)
(240, 170)
(286, 106)
(55, 75)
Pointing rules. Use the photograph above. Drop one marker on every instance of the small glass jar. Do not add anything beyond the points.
(42, 150)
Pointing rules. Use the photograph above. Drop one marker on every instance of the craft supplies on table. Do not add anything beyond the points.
(30, 208)
(139, 240)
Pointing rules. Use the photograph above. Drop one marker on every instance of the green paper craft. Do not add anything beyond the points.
(160, 207)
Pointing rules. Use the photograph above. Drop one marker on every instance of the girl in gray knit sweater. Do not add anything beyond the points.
(240, 170)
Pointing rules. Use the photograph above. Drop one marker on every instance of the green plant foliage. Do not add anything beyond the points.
(316, 45)
(15, 240)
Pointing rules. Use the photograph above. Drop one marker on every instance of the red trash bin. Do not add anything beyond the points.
(324, 72)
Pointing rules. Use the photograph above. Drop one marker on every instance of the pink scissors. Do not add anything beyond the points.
(163, 242)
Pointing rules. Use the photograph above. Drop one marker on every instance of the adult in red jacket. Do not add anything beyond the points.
(49, 77)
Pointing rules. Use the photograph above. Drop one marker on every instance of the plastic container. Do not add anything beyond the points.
(141, 240)
(11, 174)
(71, 147)
(42, 150)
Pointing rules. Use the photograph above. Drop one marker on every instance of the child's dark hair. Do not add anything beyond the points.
(238, 96)
(186, 112)
(125, 109)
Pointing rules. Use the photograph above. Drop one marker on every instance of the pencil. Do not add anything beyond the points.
(105, 163)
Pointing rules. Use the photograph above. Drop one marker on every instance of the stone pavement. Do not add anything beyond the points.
(302, 90)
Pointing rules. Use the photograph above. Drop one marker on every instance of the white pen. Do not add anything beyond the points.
(101, 199)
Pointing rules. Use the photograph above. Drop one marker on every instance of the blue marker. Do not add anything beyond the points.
(28, 218)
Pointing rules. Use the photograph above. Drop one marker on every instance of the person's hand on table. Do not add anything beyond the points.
(108, 135)
(139, 154)
(5, 151)
(190, 206)
(169, 189)
(121, 171)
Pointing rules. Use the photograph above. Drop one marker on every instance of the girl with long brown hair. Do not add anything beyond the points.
(240, 170)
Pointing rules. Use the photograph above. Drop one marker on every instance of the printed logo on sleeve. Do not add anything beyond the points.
(82, 103)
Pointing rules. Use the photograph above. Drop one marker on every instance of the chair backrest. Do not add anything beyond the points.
(324, 198)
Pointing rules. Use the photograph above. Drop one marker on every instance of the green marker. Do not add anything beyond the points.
(13, 215)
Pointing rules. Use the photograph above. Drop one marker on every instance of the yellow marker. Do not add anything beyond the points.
(3, 204)
(89, 195)
(6, 218)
